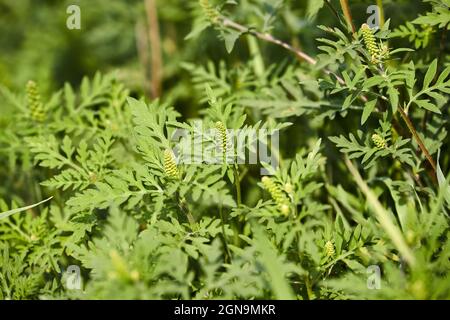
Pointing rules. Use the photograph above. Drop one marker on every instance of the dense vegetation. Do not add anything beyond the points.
(357, 207)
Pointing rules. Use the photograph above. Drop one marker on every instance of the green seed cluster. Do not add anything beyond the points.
(221, 137)
(170, 167)
(211, 13)
(329, 249)
(36, 107)
(384, 52)
(378, 141)
(370, 42)
(277, 194)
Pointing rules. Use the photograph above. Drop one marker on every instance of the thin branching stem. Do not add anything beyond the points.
(227, 249)
(184, 207)
(226, 22)
(416, 136)
(333, 10)
(155, 48)
(237, 183)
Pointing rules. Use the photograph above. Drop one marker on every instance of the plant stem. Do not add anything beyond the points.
(269, 38)
(309, 290)
(143, 56)
(418, 139)
(381, 12)
(155, 47)
(258, 63)
(348, 15)
(237, 183)
(183, 205)
(442, 45)
(227, 250)
(333, 10)
(228, 23)
(382, 215)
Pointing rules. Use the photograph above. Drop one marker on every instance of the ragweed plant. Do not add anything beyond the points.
(297, 171)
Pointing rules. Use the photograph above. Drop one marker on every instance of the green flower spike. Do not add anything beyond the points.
(370, 42)
(36, 107)
(378, 141)
(211, 13)
(329, 249)
(170, 167)
(221, 137)
(277, 194)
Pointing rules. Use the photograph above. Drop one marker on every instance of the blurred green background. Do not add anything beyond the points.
(36, 44)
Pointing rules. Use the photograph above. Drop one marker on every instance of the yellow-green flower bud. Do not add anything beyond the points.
(370, 42)
(211, 13)
(329, 249)
(277, 194)
(170, 167)
(36, 107)
(221, 137)
(378, 141)
(384, 53)
(285, 210)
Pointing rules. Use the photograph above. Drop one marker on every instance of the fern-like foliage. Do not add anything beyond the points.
(285, 164)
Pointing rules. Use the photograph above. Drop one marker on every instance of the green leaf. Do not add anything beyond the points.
(6, 214)
(273, 265)
(313, 7)
(410, 78)
(426, 104)
(443, 76)
(368, 109)
(393, 98)
(230, 38)
(429, 76)
(443, 184)
(374, 81)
